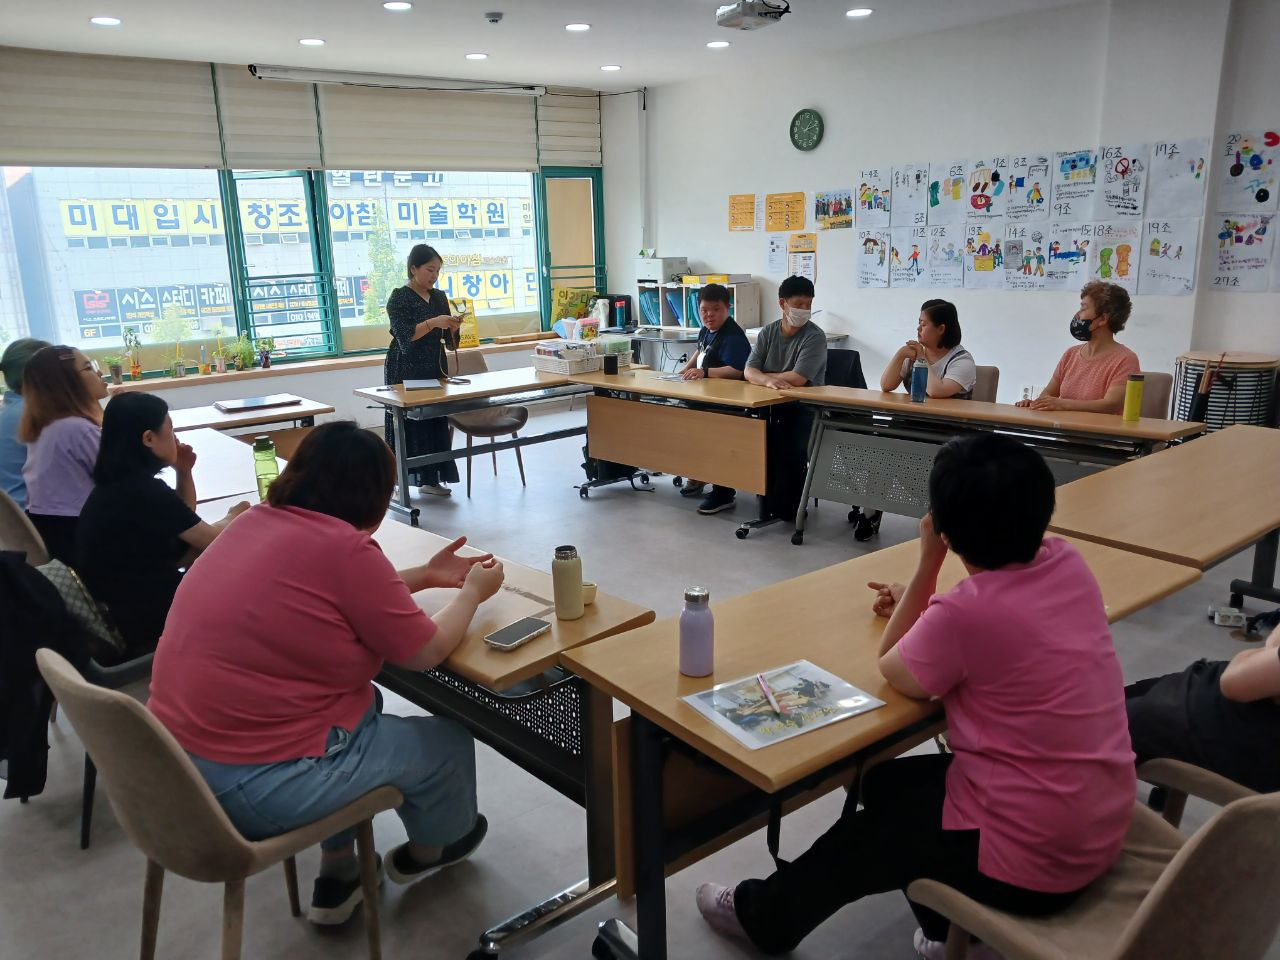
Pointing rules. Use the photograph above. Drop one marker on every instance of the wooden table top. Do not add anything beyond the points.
(494, 383)
(224, 467)
(1196, 504)
(1004, 414)
(724, 393)
(194, 418)
(824, 617)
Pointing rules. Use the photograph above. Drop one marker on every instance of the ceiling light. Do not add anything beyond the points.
(859, 12)
(718, 44)
(105, 21)
(611, 67)
(311, 42)
(477, 56)
(577, 27)
(397, 6)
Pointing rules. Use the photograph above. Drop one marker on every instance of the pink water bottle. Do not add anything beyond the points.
(697, 634)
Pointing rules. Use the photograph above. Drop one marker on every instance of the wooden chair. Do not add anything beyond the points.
(171, 815)
(488, 424)
(1181, 780)
(17, 532)
(1156, 389)
(988, 382)
(1168, 897)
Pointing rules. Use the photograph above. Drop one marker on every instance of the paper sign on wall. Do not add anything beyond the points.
(946, 255)
(909, 257)
(1115, 252)
(803, 265)
(1175, 185)
(1243, 257)
(910, 195)
(986, 187)
(833, 209)
(1123, 178)
(1068, 249)
(742, 212)
(1169, 257)
(776, 258)
(1248, 170)
(1025, 256)
(947, 182)
(873, 258)
(1075, 174)
(784, 211)
(984, 255)
(1030, 187)
(873, 197)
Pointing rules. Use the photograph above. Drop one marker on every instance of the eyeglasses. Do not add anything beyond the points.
(91, 366)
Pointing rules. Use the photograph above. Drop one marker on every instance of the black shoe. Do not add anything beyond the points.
(855, 514)
(403, 868)
(715, 502)
(333, 900)
(692, 488)
(868, 526)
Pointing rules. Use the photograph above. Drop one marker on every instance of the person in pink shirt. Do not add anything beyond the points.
(264, 670)
(1091, 377)
(1034, 800)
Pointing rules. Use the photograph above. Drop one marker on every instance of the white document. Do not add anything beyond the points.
(1175, 185)
(1242, 261)
(1075, 174)
(1248, 169)
(909, 257)
(948, 180)
(910, 195)
(1123, 176)
(1030, 187)
(987, 188)
(1169, 256)
(873, 198)
(873, 258)
(1026, 255)
(946, 255)
(984, 255)
(1115, 252)
(1068, 264)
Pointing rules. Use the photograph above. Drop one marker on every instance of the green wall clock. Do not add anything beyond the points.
(806, 129)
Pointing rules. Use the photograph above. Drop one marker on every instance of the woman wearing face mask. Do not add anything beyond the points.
(1091, 377)
(952, 372)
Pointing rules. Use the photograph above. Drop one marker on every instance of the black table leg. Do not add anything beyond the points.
(648, 838)
(1261, 586)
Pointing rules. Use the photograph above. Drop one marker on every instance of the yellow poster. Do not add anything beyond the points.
(742, 212)
(784, 211)
(802, 243)
(469, 331)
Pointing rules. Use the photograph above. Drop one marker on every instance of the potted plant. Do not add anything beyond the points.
(133, 347)
(243, 353)
(220, 354)
(115, 366)
(264, 347)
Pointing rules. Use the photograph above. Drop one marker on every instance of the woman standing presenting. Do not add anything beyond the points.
(420, 322)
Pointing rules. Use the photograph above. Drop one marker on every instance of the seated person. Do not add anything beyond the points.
(13, 452)
(1091, 377)
(264, 672)
(1221, 716)
(61, 425)
(721, 354)
(136, 533)
(1034, 802)
(790, 352)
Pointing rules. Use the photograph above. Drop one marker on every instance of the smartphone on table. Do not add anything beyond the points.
(517, 634)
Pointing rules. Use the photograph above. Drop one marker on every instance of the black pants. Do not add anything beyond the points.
(896, 838)
(58, 534)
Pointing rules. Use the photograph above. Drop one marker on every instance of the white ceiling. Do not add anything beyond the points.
(655, 41)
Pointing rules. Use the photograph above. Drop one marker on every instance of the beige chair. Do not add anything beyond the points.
(170, 814)
(1156, 389)
(487, 424)
(19, 534)
(1167, 898)
(1184, 779)
(985, 387)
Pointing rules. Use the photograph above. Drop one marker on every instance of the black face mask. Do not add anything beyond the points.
(1080, 328)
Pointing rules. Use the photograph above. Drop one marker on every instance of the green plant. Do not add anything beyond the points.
(114, 360)
(265, 343)
(386, 269)
(243, 351)
(133, 345)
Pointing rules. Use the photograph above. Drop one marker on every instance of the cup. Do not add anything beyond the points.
(610, 363)
(588, 592)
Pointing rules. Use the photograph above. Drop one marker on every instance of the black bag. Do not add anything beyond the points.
(604, 469)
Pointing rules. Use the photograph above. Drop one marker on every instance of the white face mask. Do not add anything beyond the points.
(798, 317)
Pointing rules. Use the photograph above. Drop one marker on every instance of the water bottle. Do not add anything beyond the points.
(264, 463)
(1133, 397)
(566, 583)
(919, 381)
(697, 634)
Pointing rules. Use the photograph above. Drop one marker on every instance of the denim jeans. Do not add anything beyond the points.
(431, 760)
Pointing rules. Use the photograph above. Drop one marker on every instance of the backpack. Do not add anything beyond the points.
(604, 470)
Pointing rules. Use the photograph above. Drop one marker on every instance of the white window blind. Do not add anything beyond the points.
(60, 109)
(569, 128)
(376, 129)
(267, 124)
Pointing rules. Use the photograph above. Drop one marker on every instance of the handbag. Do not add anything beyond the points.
(106, 646)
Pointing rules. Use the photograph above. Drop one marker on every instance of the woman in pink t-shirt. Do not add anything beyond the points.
(264, 671)
(1033, 803)
(1091, 377)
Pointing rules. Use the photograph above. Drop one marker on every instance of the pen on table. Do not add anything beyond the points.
(768, 694)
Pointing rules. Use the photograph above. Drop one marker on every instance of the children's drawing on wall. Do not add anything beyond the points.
(909, 257)
(944, 256)
(873, 197)
(1175, 183)
(1029, 187)
(1248, 168)
(1124, 180)
(873, 258)
(1169, 257)
(1068, 249)
(910, 195)
(1025, 256)
(833, 209)
(1075, 175)
(1115, 251)
(947, 199)
(986, 188)
(1243, 257)
(984, 255)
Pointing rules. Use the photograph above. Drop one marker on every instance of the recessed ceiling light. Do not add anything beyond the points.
(611, 67)
(859, 12)
(577, 27)
(105, 21)
(311, 42)
(718, 44)
(397, 6)
(477, 56)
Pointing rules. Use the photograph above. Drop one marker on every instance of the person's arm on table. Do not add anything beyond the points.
(445, 569)
(1112, 402)
(907, 608)
(1254, 674)
(891, 379)
(482, 581)
(1050, 392)
(202, 534)
(690, 370)
(940, 388)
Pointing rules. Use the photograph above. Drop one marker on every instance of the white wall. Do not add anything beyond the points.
(1125, 69)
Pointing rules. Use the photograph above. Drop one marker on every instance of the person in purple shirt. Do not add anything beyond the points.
(13, 452)
(61, 426)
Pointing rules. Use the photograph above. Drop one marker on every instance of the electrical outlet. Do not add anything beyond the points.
(1028, 391)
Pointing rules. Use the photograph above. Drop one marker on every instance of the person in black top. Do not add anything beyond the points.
(721, 354)
(421, 325)
(135, 533)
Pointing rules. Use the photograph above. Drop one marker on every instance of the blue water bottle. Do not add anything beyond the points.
(919, 381)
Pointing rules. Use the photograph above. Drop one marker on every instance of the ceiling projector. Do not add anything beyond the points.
(751, 14)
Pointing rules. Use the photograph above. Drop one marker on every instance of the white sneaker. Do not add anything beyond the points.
(435, 490)
(937, 950)
(715, 903)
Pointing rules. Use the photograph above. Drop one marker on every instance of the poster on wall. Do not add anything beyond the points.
(1025, 256)
(873, 258)
(742, 212)
(1029, 187)
(802, 256)
(945, 255)
(1123, 179)
(984, 255)
(910, 195)
(1115, 251)
(1068, 264)
(833, 209)
(947, 182)
(1175, 183)
(1075, 174)
(1248, 169)
(986, 188)
(784, 211)
(1242, 261)
(909, 257)
(873, 197)
(776, 255)
(1169, 257)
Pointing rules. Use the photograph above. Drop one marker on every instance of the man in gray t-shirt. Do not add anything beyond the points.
(790, 352)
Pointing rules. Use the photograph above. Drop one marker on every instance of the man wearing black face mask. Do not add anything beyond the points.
(1091, 377)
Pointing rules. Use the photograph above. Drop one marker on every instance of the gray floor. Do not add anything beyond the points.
(56, 901)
